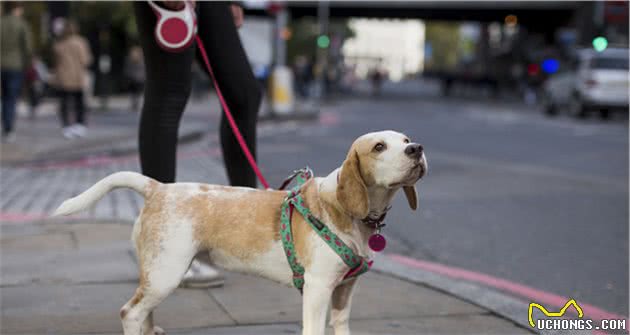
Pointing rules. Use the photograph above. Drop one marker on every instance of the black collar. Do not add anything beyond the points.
(375, 221)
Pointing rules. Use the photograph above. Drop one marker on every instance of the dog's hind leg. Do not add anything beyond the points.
(162, 265)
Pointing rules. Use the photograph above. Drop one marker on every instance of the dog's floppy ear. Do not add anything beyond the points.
(351, 190)
(412, 196)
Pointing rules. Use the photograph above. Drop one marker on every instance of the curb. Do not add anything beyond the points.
(305, 115)
(503, 305)
(127, 145)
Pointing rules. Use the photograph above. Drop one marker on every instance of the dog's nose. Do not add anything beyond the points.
(414, 150)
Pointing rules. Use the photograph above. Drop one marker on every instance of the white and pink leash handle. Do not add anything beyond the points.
(175, 29)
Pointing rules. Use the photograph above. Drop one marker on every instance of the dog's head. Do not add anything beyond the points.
(379, 161)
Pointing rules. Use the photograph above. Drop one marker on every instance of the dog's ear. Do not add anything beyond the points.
(412, 196)
(351, 190)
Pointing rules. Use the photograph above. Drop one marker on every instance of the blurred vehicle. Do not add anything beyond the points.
(598, 81)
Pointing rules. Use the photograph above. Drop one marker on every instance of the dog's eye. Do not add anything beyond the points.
(406, 141)
(379, 147)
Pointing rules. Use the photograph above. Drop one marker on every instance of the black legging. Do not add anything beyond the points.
(168, 85)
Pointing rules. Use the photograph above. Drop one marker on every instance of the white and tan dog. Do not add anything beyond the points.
(239, 227)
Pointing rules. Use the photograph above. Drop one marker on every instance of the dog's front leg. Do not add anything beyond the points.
(314, 305)
(340, 311)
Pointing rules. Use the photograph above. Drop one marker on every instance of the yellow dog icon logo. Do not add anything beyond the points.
(553, 314)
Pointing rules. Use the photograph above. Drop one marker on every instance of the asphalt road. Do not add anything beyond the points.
(510, 193)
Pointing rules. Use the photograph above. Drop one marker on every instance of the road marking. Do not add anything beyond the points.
(524, 291)
(15, 217)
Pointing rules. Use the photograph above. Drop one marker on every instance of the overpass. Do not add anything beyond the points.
(536, 16)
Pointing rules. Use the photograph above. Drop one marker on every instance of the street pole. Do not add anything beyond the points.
(282, 97)
(323, 16)
(282, 19)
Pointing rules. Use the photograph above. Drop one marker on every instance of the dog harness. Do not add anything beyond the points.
(294, 201)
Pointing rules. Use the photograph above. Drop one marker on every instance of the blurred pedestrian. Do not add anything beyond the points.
(72, 57)
(134, 71)
(14, 58)
(376, 76)
(36, 78)
(168, 87)
(303, 70)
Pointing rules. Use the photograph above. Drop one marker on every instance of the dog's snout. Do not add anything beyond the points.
(414, 150)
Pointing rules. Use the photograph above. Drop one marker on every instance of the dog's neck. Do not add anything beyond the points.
(379, 197)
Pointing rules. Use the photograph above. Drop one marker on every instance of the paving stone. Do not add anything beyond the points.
(379, 296)
(36, 243)
(99, 264)
(61, 309)
(252, 300)
(92, 234)
(455, 324)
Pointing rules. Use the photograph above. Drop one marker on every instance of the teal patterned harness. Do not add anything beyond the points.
(357, 264)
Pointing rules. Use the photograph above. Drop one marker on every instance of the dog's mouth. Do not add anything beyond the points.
(416, 172)
(420, 167)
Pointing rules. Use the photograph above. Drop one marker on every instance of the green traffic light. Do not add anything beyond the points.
(323, 41)
(600, 43)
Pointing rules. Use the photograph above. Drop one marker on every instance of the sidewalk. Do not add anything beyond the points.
(112, 131)
(72, 277)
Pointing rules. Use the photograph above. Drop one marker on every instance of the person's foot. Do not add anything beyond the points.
(79, 130)
(8, 137)
(68, 132)
(201, 275)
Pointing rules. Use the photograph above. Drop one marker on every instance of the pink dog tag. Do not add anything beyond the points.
(377, 242)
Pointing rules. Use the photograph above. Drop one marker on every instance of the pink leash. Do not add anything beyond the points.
(237, 133)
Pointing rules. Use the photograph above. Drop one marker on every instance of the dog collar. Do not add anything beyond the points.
(294, 201)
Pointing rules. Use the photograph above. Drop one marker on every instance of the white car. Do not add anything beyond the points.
(597, 82)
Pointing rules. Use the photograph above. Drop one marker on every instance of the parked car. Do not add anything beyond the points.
(597, 81)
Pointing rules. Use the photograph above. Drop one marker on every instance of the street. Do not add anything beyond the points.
(509, 193)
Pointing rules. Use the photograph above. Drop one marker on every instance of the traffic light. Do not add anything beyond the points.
(323, 41)
(600, 43)
(550, 65)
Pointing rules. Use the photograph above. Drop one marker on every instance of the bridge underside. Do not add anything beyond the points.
(535, 16)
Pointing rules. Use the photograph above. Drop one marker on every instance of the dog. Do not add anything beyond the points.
(239, 228)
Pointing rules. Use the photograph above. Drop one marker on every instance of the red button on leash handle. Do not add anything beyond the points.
(175, 30)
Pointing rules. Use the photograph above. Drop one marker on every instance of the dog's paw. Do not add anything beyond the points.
(158, 331)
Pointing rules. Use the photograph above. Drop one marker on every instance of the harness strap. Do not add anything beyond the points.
(357, 264)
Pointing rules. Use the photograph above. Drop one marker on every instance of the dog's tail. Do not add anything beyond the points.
(133, 180)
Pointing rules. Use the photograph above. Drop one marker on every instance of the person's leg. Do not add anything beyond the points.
(4, 84)
(236, 80)
(79, 105)
(78, 128)
(11, 85)
(63, 108)
(168, 82)
(167, 87)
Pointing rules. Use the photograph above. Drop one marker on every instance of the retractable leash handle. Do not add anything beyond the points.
(175, 29)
